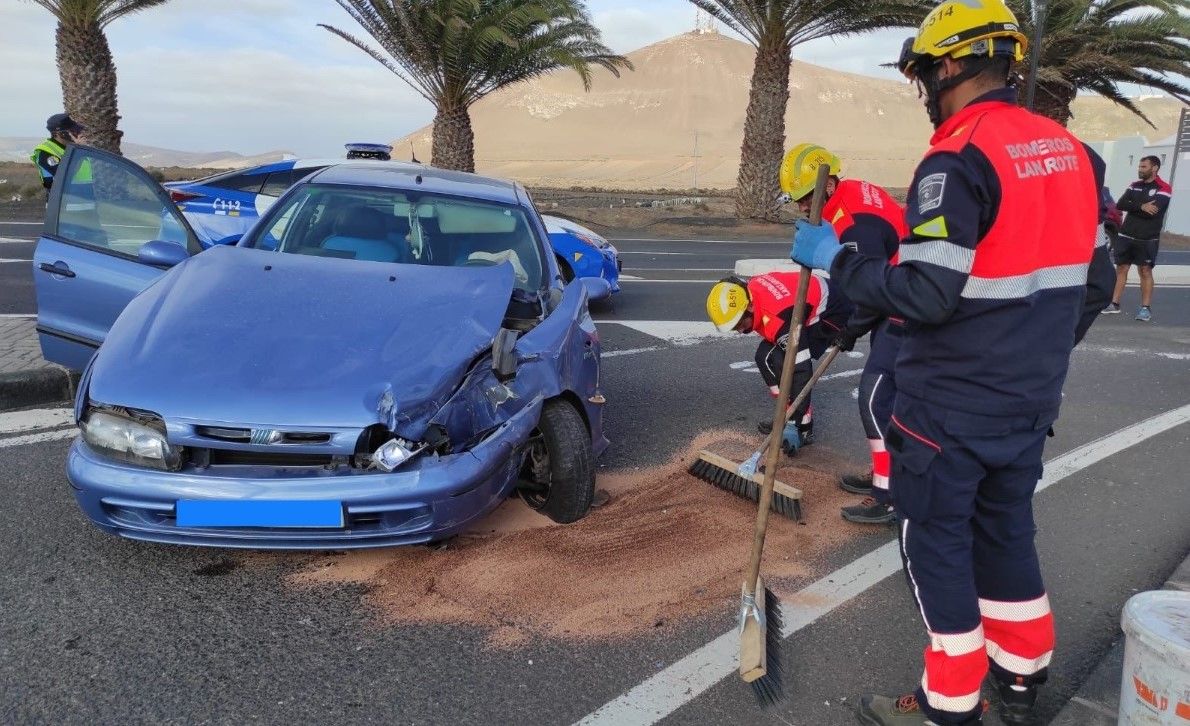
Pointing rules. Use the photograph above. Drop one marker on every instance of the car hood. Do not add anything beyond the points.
(244, 336)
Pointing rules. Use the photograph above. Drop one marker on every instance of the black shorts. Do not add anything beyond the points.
(1139, 252)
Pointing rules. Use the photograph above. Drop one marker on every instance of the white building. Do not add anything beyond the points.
(1122, 156)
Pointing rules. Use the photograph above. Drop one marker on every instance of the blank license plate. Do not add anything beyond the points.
(252, 513)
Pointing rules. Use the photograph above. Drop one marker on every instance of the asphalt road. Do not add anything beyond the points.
(97, 629)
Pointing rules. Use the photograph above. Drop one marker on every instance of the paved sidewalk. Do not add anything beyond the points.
(1097, 703)
(19, 350)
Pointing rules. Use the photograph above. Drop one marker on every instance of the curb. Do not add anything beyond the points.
(37, 386)
(752, 268)
(1097, 702)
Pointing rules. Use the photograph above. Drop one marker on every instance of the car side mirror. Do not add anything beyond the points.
(162, 254)
(230, 241)
(597, 288)
(504, 357)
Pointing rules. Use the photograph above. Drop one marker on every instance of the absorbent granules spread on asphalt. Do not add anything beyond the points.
(666, 547)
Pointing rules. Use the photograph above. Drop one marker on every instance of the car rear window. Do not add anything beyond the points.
(249, 183)
(388, 225)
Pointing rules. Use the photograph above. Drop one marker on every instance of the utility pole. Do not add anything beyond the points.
(1039, 13)
(696, 159)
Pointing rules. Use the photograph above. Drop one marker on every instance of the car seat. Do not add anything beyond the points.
(363, 232)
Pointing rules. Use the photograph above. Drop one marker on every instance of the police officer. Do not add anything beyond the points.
(764, 305)
(64, 131)
(994, 290)
(866, 217)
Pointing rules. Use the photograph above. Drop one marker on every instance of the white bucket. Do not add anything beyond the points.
(1156, 685)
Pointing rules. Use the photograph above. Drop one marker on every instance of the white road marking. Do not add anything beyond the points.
(682, 682)
(38, 418)
(841, 374)
(24, 223)
(38, 438)
(747, 366)
(1135, 352)
(678, 254)
(702, 282)
(15, 260)
(703, 241)
(678, 332)
(15, 241)
(631, 351)
(18, 315)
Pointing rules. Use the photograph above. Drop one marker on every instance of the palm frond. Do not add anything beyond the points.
(1096, 45)
(455, 52)
(79, 13)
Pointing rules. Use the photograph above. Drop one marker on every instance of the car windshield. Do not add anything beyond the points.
(389, 225)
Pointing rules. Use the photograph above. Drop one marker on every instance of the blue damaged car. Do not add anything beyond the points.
(385, 357)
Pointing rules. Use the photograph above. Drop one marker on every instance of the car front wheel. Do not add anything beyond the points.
(559, 476)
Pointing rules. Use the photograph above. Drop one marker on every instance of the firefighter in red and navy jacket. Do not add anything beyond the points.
(764, 305)
(994, 287)
(867, 218)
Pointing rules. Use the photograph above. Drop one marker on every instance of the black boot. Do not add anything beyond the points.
(1016, 703)
(860, 484)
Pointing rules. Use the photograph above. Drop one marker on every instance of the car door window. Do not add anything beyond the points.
(249, 183)
(115, 207)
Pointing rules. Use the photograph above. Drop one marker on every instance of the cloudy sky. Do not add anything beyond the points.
(257, 75)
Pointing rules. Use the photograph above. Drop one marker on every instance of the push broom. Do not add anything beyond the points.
(760, 611)
(745, 480)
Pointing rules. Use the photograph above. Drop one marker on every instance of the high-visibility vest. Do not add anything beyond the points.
(56, 150)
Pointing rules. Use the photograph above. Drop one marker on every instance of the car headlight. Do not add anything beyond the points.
(122, 438)
(590, 241)
(392, 454)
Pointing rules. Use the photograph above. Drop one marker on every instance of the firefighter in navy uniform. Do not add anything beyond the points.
(995, 291)
(866, 217)
(64, 131)
(764, 305)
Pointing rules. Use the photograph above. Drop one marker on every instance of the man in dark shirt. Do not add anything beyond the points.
(1144, 205)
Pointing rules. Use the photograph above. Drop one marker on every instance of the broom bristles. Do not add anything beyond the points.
(770, 688)
(733, 483)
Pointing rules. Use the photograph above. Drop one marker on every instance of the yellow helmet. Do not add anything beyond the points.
(959, 28)
(727, 304)
(799, 171)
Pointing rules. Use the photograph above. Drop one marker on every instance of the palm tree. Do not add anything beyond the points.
(455, 52)
(85, 65)
(1095, 45)
(775, 27)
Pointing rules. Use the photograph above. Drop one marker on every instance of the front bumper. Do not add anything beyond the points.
(430, 499)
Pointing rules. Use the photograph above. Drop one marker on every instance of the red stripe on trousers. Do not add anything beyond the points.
(881, 463)
(955, 675)
(1029, 639)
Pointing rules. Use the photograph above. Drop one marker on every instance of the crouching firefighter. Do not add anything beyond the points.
(764, 305)
(867, 218)
(993, 287)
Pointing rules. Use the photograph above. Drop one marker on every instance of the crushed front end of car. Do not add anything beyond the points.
(402, 429)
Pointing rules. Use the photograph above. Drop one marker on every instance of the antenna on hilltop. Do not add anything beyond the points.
(704, 23)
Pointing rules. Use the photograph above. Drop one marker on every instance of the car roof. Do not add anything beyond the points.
(402, 175)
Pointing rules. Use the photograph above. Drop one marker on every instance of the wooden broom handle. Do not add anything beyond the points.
(791, 348)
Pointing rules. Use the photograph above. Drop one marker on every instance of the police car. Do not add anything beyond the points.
(225, 205)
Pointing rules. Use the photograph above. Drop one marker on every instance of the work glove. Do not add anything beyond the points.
(791, 439)
(847, 339)
(815, 245)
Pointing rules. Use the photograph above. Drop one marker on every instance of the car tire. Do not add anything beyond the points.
(569, 461)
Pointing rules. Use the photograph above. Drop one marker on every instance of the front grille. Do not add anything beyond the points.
(227, 457)
(263, 436)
